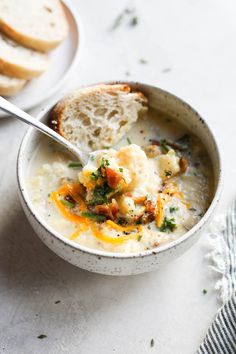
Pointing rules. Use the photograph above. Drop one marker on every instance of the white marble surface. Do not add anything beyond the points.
(195, 39)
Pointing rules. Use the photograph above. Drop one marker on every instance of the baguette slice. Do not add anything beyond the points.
(96, 117)
(36, 24)
(10, 86)
(20, 62)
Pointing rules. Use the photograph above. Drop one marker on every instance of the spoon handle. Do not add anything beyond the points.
(26, 118)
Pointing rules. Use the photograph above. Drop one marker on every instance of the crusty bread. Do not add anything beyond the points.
(98, 116)
(20, 62)
(10, 86)
(37, 24)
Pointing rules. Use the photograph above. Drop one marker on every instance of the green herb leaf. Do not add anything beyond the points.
(129, 141)
(57, 302)
(101, 194)
(134, 21)
(143, 61)
(42, 336)
(139, 238)
(118, 21)
(93, 216)
(173, 209)
(152, 343)
(121, 169)
(121, 221)
(164, 146)
(75, 164)
(204, 291)
(168, 225)
(100, 171)
(67, 204)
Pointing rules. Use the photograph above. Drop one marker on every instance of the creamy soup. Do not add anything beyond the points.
(150, 189)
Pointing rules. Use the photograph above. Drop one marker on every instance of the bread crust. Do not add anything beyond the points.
(11, 88)
(57, 113)
(35, 43)
(17, 71)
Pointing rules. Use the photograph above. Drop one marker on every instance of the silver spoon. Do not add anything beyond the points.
(26, 118)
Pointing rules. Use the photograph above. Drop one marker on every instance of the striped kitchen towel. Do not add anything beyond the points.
(221, 336)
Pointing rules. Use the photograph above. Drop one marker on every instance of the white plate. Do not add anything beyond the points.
(62, 61)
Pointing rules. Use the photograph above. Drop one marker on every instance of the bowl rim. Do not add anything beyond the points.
(105, 254)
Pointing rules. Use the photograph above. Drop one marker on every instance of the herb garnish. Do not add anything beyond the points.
(75, 164)
(173, 209)
(121, 221)
(134, 21)
(152, 343)
(128, 140)
(121, 169)
(164, 146)
(168, 225)
(101, 194)
(57, 302)
(94, 216)
(118, 21)
(204, 291)
(142, 61)
(67, 203)
(41, 336)
(139, 238)
(100, 171)
(125, 14)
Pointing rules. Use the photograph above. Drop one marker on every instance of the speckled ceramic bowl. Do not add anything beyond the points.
(114, 263)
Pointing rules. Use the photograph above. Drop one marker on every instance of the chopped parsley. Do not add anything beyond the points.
(57, 302)
(152, 343)
(139, 238)
(142, 61)
(204, 291)
(94, 216)
(67, 203)
(173, 209)
(121, 221)
(134, 21)
(125, 15)
(101, 194)
(168, 225)
(100, 171)
(129, 141)
(42, 336)
(121, 169)
(118, 21)
(75, 164)
(139, 222)
(164, 146)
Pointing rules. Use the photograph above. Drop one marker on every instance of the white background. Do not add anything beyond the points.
(195, 39)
